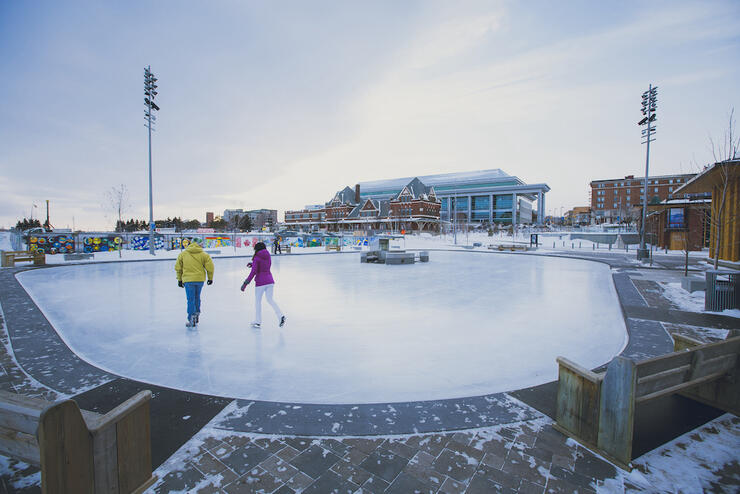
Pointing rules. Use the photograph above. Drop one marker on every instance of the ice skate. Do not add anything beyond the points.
(196, 318)
(282, 321)
(256, 325)
(192, 321)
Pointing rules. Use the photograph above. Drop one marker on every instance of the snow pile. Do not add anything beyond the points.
(690, 302)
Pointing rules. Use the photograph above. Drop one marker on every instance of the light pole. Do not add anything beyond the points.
(649, 106)
(150, 91)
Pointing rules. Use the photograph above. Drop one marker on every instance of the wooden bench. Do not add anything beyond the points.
(10, 257)
(80, 451)
(598, 409)
(337, 248)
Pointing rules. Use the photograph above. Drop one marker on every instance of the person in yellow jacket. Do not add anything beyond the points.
(192, 266)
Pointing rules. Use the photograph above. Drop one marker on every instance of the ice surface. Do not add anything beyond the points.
(463, 324)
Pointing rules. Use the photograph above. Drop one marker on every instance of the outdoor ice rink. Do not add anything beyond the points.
(356, 333)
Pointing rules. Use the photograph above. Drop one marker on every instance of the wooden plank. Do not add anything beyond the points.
(682, 342)
(662, 363)
(66, 450)
(617, 409)
(679, 387)
(19, 445)
(704, 366)
(661, 380)
(118, 413)
(134, 449)
(577, 408)
(105, 459)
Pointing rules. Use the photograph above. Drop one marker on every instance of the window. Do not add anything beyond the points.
(655, 189)
(670, 189)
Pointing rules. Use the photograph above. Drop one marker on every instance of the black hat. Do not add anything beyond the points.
(259, 246)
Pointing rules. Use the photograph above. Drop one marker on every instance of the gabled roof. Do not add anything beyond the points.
(416, 189)
(344, 196)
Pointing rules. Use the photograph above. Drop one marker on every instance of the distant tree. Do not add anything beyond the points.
(245, 224)
(117, 201)
(219, 224)
(25, 224)
(191, 225)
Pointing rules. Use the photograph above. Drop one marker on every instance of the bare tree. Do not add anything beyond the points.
(723, 151)
(117, 201)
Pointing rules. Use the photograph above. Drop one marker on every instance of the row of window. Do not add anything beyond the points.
(640, 182)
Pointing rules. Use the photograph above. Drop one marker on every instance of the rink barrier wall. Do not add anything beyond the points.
(91, 242)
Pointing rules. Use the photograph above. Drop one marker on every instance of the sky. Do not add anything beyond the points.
(280, 104)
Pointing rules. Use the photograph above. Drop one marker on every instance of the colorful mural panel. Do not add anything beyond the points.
(142, 243)
(355, 241)
(101, 243)
(212, 242)
(180, 242)
(52, 244)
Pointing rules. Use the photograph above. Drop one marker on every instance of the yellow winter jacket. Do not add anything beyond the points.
(193, 264)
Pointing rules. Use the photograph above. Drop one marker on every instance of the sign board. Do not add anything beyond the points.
(676, 218)
(205, 230)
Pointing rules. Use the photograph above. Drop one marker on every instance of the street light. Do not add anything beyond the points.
(649, 107)
(150, 92)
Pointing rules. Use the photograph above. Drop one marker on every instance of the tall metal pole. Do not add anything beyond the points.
(151, 208)
(649, 102)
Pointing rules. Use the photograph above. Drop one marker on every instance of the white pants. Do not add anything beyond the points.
(267, 291)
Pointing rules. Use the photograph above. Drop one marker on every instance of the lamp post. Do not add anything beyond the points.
(649, 106)
(150, 91)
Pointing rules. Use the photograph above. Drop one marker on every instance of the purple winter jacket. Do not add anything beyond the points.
(261, 269)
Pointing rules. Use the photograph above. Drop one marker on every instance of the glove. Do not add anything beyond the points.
(244, 285)
(180, 284)
(209, 282)
(249, 264)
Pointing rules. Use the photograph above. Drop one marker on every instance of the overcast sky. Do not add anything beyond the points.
(280, 104)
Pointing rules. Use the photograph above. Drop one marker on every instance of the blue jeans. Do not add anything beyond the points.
(192, 291)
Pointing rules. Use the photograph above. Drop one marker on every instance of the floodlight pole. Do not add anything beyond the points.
(649, 104)
(149, 93)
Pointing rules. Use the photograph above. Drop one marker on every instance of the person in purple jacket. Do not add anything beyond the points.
(263, 282)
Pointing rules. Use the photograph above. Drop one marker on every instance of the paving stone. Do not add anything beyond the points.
(407, 484)
(256, 480)
(278, 468)
(284, 490)
(458, 466)
(527, 440)
(299, 481)
(241, 460)
(529, 488)
(351, 472)
(504, 479)
(432, 444)
(331, 483)
(452, 486)
(237, 441)
(527, 467)
(209, 465)
(272, 446)
(287, 453)
(384, 464)
(566, 462)
(561, 486)
(398, 447)
(367, 446)
(589, 465)
(338, 448)
(375, 485)
(221, 450)
(482, 485)
(493, 460)
(314, 461)
(463, 438)
(465, 450)
(355, 456)
(421, 468)
(570, 477)
(180, 480)
(497, 445)
(299, 443)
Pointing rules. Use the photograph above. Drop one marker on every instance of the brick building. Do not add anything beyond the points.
(617, 199)
(414, 208)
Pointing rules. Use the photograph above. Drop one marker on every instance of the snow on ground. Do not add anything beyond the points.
(5, 241)
(691, 302)
(459, 325)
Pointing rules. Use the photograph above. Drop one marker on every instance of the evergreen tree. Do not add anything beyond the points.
(245, 224)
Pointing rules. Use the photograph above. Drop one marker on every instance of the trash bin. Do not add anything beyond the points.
(534, 240)
(722, 290)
